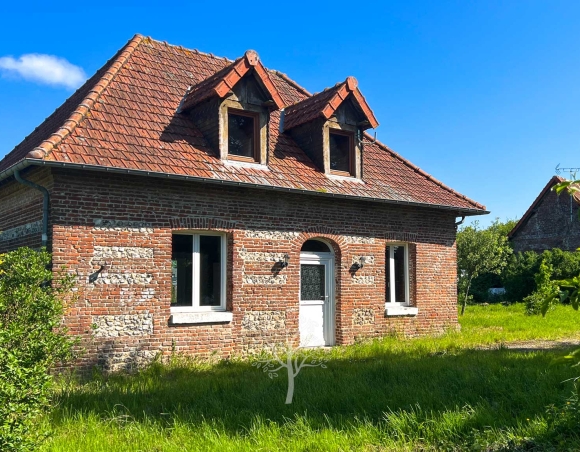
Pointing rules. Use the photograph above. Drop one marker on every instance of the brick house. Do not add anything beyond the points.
(550, 222)
(212, 206)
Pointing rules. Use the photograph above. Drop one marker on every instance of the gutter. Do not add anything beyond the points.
(170, 176)
(45, 202)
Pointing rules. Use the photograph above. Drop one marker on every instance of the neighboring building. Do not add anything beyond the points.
(550, 222)
(211, 206)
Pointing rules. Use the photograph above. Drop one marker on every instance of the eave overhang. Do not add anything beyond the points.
(172, 176)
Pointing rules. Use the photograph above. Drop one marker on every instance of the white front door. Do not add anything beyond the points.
(316, 320)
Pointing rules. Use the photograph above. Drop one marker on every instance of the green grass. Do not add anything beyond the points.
(497, 323)
(391, 394)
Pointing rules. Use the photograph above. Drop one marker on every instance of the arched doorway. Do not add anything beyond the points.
(316, 319)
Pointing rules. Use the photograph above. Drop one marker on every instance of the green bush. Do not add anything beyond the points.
(518, 276)
(545, 289)
(32, 341)
(481, 285)
(563, 421)
(566, 264)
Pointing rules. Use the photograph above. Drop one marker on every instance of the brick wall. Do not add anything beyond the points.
(126, 222)
(554, 224)
(21, 211)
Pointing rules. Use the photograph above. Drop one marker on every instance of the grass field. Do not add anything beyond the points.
(424, 394)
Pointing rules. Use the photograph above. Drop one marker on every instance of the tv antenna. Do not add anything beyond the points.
(571, 171)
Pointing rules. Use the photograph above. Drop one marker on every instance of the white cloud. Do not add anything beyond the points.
(46, 69)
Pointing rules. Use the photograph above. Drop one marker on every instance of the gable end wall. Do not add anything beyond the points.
(553, 224)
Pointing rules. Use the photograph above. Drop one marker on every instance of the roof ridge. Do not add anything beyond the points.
(46, 146)
(425, 174)
(184, 49)
(275, 71)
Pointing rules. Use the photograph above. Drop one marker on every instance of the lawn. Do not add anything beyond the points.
(425, 394)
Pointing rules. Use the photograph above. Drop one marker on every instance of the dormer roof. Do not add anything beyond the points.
(325, 104)
(222, 82)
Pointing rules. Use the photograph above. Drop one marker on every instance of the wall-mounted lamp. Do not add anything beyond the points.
(94, 276)
(284, 261)
(360, 263)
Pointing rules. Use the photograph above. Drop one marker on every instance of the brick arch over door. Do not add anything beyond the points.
(338, 244)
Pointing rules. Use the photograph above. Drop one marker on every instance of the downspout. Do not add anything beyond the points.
(45, 201)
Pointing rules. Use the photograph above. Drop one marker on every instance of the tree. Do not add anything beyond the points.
(32, 341)
(480, 251)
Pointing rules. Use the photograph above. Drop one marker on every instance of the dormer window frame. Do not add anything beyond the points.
(255, 158)
(351, 152)
(333, 127)
(261, 118)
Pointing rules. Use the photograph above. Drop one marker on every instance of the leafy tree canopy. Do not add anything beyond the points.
(480, 251)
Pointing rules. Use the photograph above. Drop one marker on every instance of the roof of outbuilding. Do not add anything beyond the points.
(125, 117)
(548, 187)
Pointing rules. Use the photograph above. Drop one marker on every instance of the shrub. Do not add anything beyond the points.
(480, 288)
(518, 276)
(546, 289)
(563, 421)
(32, 342)
(566, 264)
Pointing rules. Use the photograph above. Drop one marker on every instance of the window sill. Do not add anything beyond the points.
(349, 178)
(179, 318)
(246, 164)
(391, 311)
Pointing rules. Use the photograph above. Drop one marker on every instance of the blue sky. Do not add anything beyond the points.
(483, 95)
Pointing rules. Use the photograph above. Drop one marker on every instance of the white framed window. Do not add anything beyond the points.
(397, 274)
(198, 266)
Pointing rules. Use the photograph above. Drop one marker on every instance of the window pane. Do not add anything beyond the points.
(210, 270)
(312, 279)
(315, 246)
(400, 277)
(339, 152)
(388, 274)
(241, 135)
(181, 270)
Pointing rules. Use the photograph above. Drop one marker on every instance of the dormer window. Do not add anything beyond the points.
(243, 136)
(341, 151)
(232, 107)
(328, 127)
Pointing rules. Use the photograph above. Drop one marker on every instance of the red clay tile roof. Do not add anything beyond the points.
(553, 181)
(325, 103)
(223, 81)
(125, 117)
